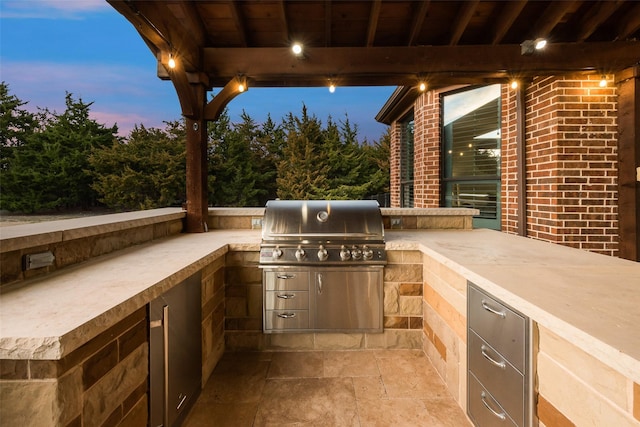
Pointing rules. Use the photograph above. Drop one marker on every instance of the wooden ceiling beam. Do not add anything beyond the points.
(598, 14)
(373, 22)
(462, 20)
(285, 20)
(552, 15)
(238, 20)
(510, 11)
(630, 24)
(189, 17)
(278, 67)
(327, 23)
(418, 20)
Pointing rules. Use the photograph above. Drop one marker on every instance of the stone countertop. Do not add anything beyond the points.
(588, 299)
(50, 316)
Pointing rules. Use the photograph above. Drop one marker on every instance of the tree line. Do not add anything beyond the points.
(62, 161)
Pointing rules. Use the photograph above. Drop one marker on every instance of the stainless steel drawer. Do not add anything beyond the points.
(286, 319)
(484, 411)
(498, 377)
(286, 300)
(285, 279)
(501, 327)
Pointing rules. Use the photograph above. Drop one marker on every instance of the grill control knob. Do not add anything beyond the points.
(300, 254)
(322, 253)
(356, 253)
(345, 254)
(367, 253)
(277, 253)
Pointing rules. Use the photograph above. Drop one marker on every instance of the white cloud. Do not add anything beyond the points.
(51, 9)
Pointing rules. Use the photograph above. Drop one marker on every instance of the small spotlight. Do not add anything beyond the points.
(332, 88)
(603, 81)
(422, 87)
(514, 84)
(241, 88)
(172, 62)
(296, 48)
(528, 47)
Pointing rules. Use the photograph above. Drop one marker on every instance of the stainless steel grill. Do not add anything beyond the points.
(313, 232)
(322, 265)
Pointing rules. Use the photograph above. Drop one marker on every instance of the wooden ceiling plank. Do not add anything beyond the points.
(238, 20)
(510, 12)
(418, 20)
(598, 14)
(630, 23)
(552, 15)
(285, 20)
(373, 22)
(190, 19)
(327, 23)
(462, 20)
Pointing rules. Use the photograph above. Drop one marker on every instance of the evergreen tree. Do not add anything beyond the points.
(302, 172)
(15, 125)
(234, 163)
(51, 170)
(145, 171)
(268, 148)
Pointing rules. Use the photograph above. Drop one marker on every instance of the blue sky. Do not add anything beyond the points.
(85, 47)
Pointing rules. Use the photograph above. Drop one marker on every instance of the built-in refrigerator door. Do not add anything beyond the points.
(175, 352)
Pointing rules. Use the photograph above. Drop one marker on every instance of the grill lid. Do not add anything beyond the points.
(322, 220)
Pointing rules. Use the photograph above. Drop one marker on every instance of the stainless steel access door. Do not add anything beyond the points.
(175, 355)
(347, 299)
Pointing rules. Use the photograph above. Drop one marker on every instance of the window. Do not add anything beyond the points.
(471, 153)
(406, 162)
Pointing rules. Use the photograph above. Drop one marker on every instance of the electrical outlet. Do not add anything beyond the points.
(43, 259)
(396, 222)
(256, 223)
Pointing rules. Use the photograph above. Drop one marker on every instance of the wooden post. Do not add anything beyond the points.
(628, 162)
(197, 168)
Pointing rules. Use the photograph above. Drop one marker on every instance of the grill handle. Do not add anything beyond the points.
(285, 276)
(319, 283)
(287, 315)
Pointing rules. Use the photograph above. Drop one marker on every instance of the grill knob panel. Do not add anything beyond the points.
(322, 253)
(345, 254)
(300, 254)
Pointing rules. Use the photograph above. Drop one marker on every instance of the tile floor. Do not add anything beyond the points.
(326, 388)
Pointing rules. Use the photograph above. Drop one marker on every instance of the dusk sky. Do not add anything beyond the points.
(86, 48)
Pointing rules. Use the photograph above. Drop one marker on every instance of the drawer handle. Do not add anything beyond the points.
(500, 415)
(286, 296)
(493, 310)
(287, 315)
(500, 365)
(285, 276)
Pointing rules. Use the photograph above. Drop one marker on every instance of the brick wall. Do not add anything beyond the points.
(427, 150)
(571, 163)
(509, 165)
(394, 164)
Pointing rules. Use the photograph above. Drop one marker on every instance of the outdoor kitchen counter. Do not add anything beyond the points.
(588, 299)
(50, 316)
